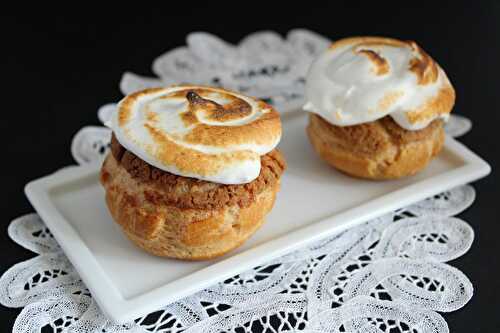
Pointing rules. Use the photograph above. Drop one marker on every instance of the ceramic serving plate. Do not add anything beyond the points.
(315, 201)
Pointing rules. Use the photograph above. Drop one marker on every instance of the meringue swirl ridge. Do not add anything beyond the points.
(201, 132)
(363, 79)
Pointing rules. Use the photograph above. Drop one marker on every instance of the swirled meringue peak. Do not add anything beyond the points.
(201, 132)
(362, 79)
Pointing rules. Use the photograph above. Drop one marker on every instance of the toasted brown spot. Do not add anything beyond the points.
(123, 117)
(183, 93)
(189, 118)
(151, 116)
(423, 66)
(381, 66)
(195, 99)
(126, 104)
(441, 104)
(231, 111)
(262, 130)
(388, 100)
(235, 109)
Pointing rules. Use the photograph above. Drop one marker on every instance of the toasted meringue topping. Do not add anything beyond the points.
(362, 79)
(201, 132)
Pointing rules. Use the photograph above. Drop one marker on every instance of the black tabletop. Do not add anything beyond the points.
(58, 69)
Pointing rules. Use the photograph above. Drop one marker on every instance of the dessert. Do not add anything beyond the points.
(377, 107)
(192, 170)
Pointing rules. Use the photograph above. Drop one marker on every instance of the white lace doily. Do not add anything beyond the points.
(387, 275)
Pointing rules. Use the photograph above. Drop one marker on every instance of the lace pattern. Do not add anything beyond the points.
(387, 275)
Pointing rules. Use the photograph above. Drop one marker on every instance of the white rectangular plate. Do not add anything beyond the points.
(315, 201)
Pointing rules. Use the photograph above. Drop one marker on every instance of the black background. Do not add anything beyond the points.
(58, 69)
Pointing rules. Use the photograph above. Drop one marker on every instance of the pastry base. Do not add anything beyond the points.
(376, 150)
(183, 233)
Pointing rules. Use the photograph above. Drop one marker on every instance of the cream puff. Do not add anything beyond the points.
(377, 107)
(193, 170)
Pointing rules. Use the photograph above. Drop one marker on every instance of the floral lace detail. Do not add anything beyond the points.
(91, 144)
(264, 65)
(363, 314)
(387, 275)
